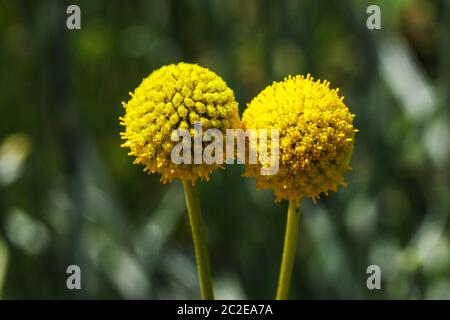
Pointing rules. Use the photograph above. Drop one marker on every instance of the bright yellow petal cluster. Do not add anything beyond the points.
(316, 136)
(175, 97)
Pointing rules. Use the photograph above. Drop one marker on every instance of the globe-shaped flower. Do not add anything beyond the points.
(170, 98)
(316, 137)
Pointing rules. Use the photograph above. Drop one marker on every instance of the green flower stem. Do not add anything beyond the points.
(290, 244)
(198, 235)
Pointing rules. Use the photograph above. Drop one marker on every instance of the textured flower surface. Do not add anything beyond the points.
(316, 137)
(175, 97)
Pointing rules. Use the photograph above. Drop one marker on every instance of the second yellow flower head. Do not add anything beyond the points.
(316, 136)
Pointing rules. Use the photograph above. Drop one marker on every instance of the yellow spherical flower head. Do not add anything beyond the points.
(170, 98)
(316, 137)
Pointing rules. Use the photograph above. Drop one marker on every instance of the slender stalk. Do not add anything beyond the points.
(290, 244)
(198, 235)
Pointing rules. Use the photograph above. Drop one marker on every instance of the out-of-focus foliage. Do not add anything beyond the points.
(70, 195)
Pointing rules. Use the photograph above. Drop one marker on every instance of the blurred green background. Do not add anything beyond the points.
(70, 195)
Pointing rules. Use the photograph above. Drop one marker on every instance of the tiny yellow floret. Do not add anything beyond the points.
(316, 137)
(174, 97)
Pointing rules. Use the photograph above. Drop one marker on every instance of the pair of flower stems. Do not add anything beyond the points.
(316, 142)
(201, 250)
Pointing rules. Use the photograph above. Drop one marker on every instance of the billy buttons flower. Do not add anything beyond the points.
(316, 136)
(175, 97)
(180, 96)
